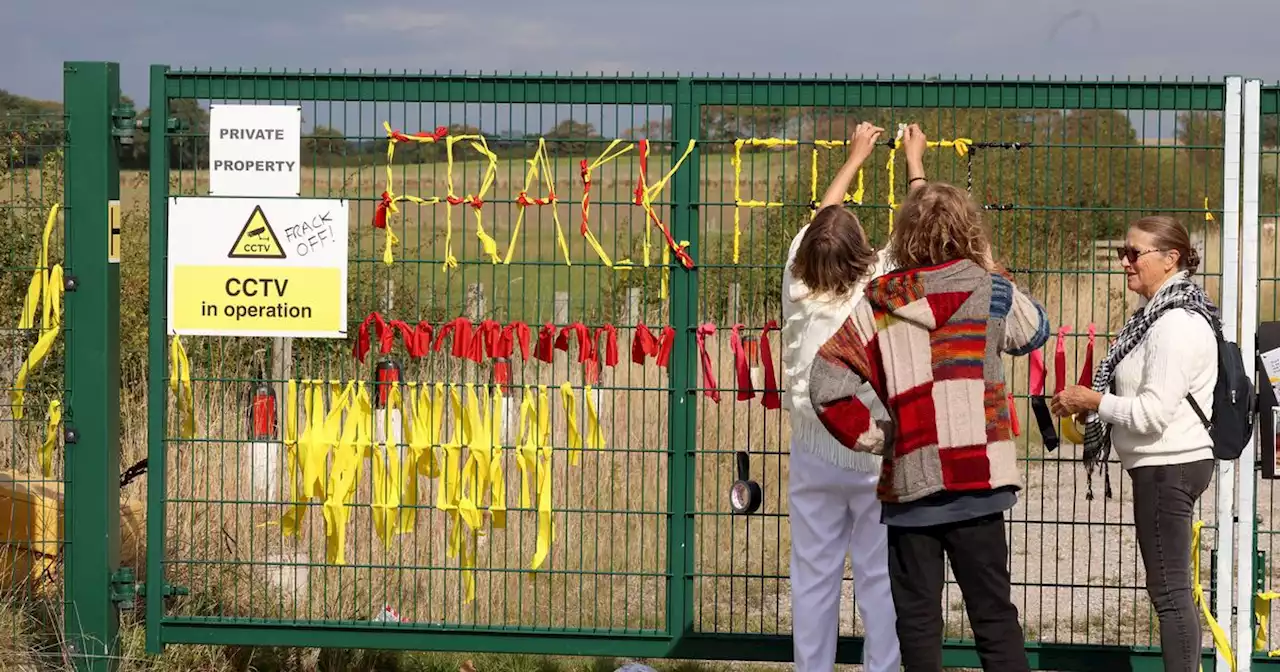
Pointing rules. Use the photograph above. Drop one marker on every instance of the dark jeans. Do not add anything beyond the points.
(979, 559)
(1163, 501)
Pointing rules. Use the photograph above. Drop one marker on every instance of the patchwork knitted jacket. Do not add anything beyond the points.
(928, 342)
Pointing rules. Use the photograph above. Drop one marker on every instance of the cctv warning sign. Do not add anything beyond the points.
(271, 268)
(257, 240)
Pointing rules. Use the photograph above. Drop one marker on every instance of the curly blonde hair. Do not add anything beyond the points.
(938, 223)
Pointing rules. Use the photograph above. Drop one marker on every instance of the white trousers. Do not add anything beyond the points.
(834, 513)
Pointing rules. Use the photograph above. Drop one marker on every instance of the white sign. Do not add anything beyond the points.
(249, 267)
(255, 150)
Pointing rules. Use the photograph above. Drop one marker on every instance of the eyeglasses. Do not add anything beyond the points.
(1131, 254)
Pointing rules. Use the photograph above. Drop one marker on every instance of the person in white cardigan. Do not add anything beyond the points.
(1161, 366)
(834, 511)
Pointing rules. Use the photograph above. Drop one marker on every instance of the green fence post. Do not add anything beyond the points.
(682, 417)
(157, 354)
(92, 428)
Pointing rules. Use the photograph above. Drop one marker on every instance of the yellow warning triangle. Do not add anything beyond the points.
(257, 240)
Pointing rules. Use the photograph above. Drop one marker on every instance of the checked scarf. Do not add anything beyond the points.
(1179, 293)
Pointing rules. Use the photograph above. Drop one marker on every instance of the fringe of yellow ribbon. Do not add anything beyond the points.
(1220, 640)
(180, 386)
(343, 431)
(45, 290)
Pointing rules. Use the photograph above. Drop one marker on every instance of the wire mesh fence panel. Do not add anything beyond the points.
(516, 477)
(560, 354)
(32, 367)
(1059, 170)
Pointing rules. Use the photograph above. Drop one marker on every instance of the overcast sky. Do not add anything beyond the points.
(1126, 38)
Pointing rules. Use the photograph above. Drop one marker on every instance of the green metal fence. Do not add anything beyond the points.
(646, 559)
(59, 300)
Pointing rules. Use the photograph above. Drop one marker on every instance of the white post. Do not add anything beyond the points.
(633, 306)
(560, 308)
(1248, 280)
(735, 304)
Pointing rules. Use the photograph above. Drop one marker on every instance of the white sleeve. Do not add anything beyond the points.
(1177, 342)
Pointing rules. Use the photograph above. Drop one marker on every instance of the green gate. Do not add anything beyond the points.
(646, 558)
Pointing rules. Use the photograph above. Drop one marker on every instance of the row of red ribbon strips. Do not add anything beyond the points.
(498, 341)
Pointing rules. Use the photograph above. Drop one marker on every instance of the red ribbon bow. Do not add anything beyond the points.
(380, 213)
(440, 133)
(586, 350)
(772, 397)
(1060, 360)
(1086, 372)
(545, 350)
(463, 342)
(523, 199)
(644, 170)
(361, 348)
(487, 339)
(646, 345)
(1035, 375)
(740, 365)
(710, 387)
(416, 340)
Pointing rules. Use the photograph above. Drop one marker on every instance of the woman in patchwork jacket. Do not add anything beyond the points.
(929, 340)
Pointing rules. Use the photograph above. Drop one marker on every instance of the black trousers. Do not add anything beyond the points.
(978, 552)
(1164, 499)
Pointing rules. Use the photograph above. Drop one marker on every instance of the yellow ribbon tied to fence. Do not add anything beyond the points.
(390, 198)
(736, 162)
(487, 242)
(50, 437)
(594, 438)
(1262, 616)
(387, 475)
(348, 464)
(497, 479)
(527, 448)
(447, 491)
(858, 193)
(961, 145)
(1220, 640)
(539, 169)
(422, 432)
(44, 290)
(289, 523)
(646, 201)
(475, 472)
(606, 156)
(180, 385)
(539, 431)
(573, 439)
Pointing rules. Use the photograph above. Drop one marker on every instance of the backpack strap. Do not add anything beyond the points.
(1199, 413)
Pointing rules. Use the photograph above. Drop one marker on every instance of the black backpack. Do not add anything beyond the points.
(1234, 400)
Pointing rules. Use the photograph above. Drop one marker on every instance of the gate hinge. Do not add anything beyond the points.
(123, 122)
(124, 590)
